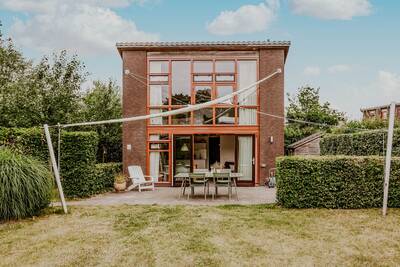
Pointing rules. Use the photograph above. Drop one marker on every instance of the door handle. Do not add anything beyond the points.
(253, 161)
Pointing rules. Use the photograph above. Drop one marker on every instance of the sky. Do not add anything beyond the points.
(347, 48)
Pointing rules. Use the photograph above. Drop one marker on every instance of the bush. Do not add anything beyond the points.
(359, 144)
(105, 174)
(335, 182)
(28, 141)
(25, 186)
(78, 159)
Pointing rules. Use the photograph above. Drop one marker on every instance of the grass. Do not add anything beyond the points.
(202, 236)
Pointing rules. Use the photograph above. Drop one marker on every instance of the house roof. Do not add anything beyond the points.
(208, 45)
(377, 107)
(306, 140)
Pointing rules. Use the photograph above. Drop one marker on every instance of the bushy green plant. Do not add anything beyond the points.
(25, 185)
(78, 159)
(105, 174)
(335, 182)
(28, 141)
(366, 143)
(120, 178)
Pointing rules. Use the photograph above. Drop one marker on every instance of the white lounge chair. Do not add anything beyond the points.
(139, 179)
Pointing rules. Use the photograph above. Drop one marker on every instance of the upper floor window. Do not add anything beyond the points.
(176, 83)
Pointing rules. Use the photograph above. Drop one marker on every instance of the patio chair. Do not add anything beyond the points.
(224, 179)
(139, 179)
(200, 170)
(198, 180)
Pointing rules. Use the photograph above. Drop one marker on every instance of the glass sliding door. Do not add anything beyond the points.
(245, 158)
(182, 154)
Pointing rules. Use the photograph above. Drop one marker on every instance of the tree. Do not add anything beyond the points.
(59, 82)
(103, 102)
(306, 106)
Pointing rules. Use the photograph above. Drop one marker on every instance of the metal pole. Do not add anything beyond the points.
(55, 168)
(388, 158)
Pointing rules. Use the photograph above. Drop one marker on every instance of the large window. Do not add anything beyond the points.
(178, 83)
(159, 157)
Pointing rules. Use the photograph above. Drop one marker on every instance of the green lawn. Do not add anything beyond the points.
(202, 236)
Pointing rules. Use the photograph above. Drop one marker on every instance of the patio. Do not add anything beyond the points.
(170, 196)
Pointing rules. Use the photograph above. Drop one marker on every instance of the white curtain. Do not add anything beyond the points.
(154, 160)
(156, 100)
(245, 157)
(247, 74)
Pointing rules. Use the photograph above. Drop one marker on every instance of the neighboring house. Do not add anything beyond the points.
(306, 146)
(163, 76)
(379, 112)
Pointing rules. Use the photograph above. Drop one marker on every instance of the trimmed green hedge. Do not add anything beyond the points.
(359, 144)
(335, 182)
(105, 174)
(28, 141)
(78, 159)
(80, 175)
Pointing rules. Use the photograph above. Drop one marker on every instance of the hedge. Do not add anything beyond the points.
(335, 182)
(80, 175)
(359, 144)
(28, 141)
(105, 174)
(78, 159)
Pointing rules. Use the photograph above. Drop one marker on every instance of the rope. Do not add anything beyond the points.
(180, 110)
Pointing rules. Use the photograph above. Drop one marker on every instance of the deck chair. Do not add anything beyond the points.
(139, 179)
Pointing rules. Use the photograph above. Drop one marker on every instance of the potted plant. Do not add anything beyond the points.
(119, 182)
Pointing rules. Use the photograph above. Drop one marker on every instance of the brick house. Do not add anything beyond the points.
(162, 76)
(379, 112)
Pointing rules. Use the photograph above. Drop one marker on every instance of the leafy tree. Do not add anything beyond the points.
(306, 106)
(31, 95)
(103, 102)
(18, 104)
(59, 82)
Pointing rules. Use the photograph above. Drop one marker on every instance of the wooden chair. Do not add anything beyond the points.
(198, 180)
(139, 179)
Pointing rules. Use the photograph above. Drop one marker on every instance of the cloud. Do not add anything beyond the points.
(339, 68)
(246, 19)
(389, 83)
(331, 9)
(312, 70)
(84, 27)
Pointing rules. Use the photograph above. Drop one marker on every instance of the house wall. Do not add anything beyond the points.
(271, 99)
(272, 102)
(134, 98)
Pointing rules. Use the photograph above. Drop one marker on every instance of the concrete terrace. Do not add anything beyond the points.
(170, 196)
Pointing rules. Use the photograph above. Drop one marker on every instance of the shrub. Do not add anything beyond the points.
(359, 144)
(105, 174)
(335, 182)
(78, 158)
(25, 185)
(28, 141)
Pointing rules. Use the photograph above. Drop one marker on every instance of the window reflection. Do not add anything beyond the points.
(203, 94)
(203, 116)
(181, 82)
(202, 67)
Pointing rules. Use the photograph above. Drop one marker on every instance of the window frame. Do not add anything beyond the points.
(213, 84)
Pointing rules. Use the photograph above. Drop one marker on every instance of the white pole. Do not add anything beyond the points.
(55, 168)
(388, 158)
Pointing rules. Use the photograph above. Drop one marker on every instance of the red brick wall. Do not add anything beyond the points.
(134, 104)
(272, 102)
